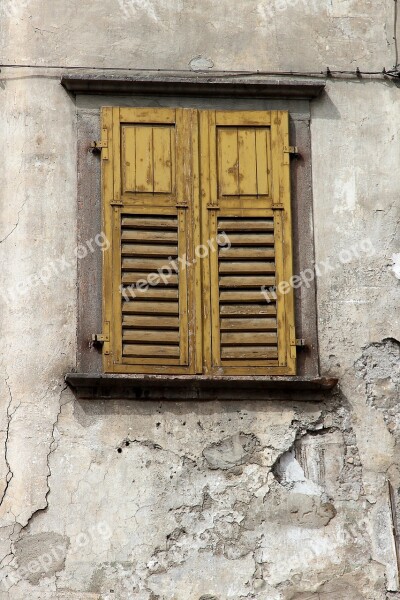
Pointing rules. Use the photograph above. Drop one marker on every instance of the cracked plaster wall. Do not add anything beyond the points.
(212, 501)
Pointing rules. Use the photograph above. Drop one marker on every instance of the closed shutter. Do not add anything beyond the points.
(245, 180)
(196, 205)
(148, 208)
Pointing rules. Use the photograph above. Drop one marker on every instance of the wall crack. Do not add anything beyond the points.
(10, 473)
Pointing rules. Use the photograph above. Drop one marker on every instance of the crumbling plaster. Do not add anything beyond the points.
(153, 501)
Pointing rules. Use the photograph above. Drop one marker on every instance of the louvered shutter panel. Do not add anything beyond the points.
(245, 185)
(148, 204)
(150, 314)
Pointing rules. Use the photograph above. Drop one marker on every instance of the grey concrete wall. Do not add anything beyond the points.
(151, 501)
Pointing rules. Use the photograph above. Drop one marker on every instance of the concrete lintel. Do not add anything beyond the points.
(223, 85)
(199, 387)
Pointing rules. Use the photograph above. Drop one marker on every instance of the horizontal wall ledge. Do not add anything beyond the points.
(199, 387)
(194, 84)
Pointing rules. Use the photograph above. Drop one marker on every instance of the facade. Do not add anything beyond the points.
(127, 487)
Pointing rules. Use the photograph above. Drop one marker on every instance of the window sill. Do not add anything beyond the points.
(199, 387)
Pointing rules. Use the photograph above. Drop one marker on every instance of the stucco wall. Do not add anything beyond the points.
(152, 501)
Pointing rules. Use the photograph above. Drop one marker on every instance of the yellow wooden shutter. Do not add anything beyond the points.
(199, 244)
(148, 194)
(246, 202)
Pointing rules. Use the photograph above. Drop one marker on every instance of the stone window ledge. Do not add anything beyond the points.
(199, 387)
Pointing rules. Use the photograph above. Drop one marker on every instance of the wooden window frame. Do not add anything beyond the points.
(89, 217)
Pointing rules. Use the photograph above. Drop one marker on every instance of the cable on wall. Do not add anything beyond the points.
(396, 46)
(328, 72)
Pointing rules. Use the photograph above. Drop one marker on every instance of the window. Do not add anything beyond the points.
(196, 206)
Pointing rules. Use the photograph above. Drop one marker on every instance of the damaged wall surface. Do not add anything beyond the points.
(116, 500)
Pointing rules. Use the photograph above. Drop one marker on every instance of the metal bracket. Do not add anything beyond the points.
(103, 339)
(292, 150)
(100, 338)
(295, 342)
(102, 145)
(99, 145)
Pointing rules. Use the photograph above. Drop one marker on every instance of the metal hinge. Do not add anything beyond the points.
(102, 145)
(99, 338)
(103, 339)
(295, 342)
(292, 150)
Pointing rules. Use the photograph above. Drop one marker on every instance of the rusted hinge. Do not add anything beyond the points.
(103, 339)
(102, 145)
(292, 150)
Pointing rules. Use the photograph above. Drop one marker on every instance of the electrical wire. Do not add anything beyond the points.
(395, 73)
(396, 46)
